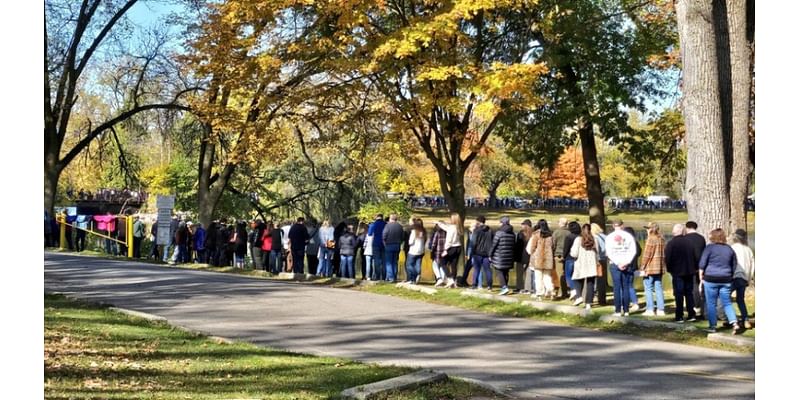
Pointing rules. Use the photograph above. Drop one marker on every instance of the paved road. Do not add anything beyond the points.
(531, 359)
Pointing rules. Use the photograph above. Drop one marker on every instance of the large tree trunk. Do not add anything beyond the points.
(591, 168)
(740, 55)
(51, 175)
(706, 193)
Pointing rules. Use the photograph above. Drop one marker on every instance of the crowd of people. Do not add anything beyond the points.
(551, 203)
(569, 261)
(110, 195)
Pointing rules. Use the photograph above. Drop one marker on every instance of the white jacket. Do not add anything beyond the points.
(745, 262)
(416, 245)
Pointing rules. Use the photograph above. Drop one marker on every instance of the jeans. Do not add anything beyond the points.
(713, 292)
(201, 256)
(275, 256)
(137, 247)
(166, 253)
(368, 262)
(413, 267)
(502, 276)
(530, 281)
(740, 286)
(325, 257)
(483, 272)
(258, 257)
(682, 287)
(378, 255)
(80, 240)
(347, 267)
(588, 284)
(297, 261)
(653, 282)
(520, 272)
(178, 253)
(391, 255)
(621, 281)
(569, 267)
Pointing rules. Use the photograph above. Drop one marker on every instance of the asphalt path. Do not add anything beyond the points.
(529, 359)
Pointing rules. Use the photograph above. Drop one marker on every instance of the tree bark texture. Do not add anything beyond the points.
(591, 169)
(706, 191)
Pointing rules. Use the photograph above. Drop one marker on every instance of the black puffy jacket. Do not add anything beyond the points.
(502, 254)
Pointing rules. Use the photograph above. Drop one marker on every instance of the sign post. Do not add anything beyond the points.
(165, 204)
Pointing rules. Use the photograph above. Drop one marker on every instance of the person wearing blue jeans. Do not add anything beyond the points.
(482, 273)
(275, 256)
(720, 291)
(391, 255)
(413, 267)
(325, 257)
(378, 254)
(621, 280)
(347, 267)
(717, 266)
(574, 229)
(653, 282)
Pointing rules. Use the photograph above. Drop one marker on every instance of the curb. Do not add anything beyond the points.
(416, 288)
(535, 304)
(487, 386)
(139, 314)
(731, 339)
(648, 323)
(409, 381)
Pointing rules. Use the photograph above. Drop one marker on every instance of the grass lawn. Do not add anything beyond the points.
(93, 352)
(452, 297)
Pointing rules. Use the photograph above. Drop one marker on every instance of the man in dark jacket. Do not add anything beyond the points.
(482, 239)
(698, 244)
(392, 240)
(502, 254)
(347, 250)
(276, 254)
(254, 240)
(298, 237)
(682, 265)
(376, 231)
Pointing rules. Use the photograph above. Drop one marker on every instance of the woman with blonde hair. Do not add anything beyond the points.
(585, 252)
(326, 246)
(541, 248)
(653, 268)
(416, 249)
(452, 247)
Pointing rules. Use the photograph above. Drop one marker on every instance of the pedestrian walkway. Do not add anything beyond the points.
(529, 358)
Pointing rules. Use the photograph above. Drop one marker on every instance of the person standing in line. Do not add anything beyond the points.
(276, 255)
(368, 263)
(436, 246)
(482, 240)
(240, 244)
(327, 244)
(717, 267)
(286, 251)
(630, 273)
(336, 260)
(378, 252)
(200, 243)
(82, 223)
(468, 257)
(698, 243)
(347, 250)
(267, 246)
(298, 238)
(255, 243)
(601, 280)
(416, 250)
(138, 236)
(525, 281)
(519, 253)
(557, 274)
(454, 233)
(744, 275)
(621, 250)
(211, 245)
(574, 229)
(653, 269)
(585, 252)
(181, 237)
(360, 245)
(312, 248)
(682, 266)
(392, 242)
(173, 227)
(541, 248)
(502, 254)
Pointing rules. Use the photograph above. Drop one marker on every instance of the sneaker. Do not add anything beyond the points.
(616, 314)
(747, 325)
(710, 330)
(736, 329)
(536, 298)
(660, 313)
(578, 301)
(504, 292)
(634, 307)
(698, 310)
(626, 314)
(691, 319)
(438, 283)
(588, 307)
(573, 294)
(678, 320)
(649, 313)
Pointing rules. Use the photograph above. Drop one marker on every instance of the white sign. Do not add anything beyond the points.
(620, 247)
(165, 202)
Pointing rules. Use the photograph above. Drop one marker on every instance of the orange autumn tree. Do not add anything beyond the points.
(566, 178)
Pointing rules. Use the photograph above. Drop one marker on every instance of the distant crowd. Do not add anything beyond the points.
(110, 195)
(559, 203)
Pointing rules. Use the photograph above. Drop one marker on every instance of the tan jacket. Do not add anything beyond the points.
(653, 256)
(541, 251)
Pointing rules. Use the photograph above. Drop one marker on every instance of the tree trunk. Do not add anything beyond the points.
(51, 175)
(741, 168)
(492, 197)
(591, 169)
(706, 193)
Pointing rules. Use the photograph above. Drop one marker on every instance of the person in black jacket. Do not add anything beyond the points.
(698, 243)
(502, 254)
(212, 246)
(681, 264)
(255, 241)
(574, 229)
(276, 254)
(347, 250)
(482, 240)
(298, 237)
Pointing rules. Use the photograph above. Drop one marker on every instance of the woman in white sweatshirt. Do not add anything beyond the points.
(452, 247)
(744, 274)
(416, 249)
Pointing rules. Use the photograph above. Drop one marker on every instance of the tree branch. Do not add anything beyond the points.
(97, 40)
